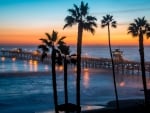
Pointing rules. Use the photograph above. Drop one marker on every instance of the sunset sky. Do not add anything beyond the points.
(26, 21)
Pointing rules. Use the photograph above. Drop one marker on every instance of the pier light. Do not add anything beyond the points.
(2, 58)
(122, 84)
(36, 52)
(75, 69)
(46, 67)
(86, 69)
(61, 68)
(35, 65)
(35, 62)
(56, 67)
(14, 59)
(30, 61)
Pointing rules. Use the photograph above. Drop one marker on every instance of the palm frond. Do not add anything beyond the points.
(54, 36)
(82, 17)
(64, 49)
(133, 29)
(148, 30)
(84, 9)
(77, 10)
(43, 48)
(134, 34)
(139, 25)
(69, 21)
(49, 36)
(103, 25)
(91, 18)
(62, 38)
(72, 12)
(114, 24)
(148, 34)
(108, 20)
(45, 41)
(89, 27)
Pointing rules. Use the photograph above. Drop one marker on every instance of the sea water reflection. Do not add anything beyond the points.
(16, 65)
(96, 85)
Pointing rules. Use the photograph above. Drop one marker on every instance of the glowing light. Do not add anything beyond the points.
(46, 67)
(13, 59)
(86, 78)
(36, 52)
(2, 58)
(86, 69)
(33, 64)
(30, 61)
(75, 69)
(61, 68)
(122, 84)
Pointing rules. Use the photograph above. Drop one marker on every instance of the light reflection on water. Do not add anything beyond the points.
(33, 65)
(86, 78)
(14, 64)
(96, 85)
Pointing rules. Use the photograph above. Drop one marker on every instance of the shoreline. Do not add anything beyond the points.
(126, 106)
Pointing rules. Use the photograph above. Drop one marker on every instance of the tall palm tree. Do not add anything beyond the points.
(65, 50)
(51, 42)
(80, 15)
(108, 21)
(139, 28)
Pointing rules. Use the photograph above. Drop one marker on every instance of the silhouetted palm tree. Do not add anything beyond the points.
(65, 50)
(50, 43)
(108, 21)
(44, 51)
(139, 28)
(79, 15)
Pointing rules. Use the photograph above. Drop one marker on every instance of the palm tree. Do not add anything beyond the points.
(139, 28)
(50, 43)
(44, 51)
(65, 50)
(79, 15)
(108, 21)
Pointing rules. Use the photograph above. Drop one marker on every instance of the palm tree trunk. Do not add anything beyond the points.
(113, 70)
(65, 80)
(53, 57)
(141, 51)
(79, 46)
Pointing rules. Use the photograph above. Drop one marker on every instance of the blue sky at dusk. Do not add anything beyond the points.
(50, 14)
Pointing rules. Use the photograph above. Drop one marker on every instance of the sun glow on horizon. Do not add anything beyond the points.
(24, 23)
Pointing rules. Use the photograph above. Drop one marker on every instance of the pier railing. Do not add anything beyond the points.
(86, 62)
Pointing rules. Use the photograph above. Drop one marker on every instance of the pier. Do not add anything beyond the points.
(121, 65)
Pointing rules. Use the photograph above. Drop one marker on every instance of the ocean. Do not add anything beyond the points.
(27, 87)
